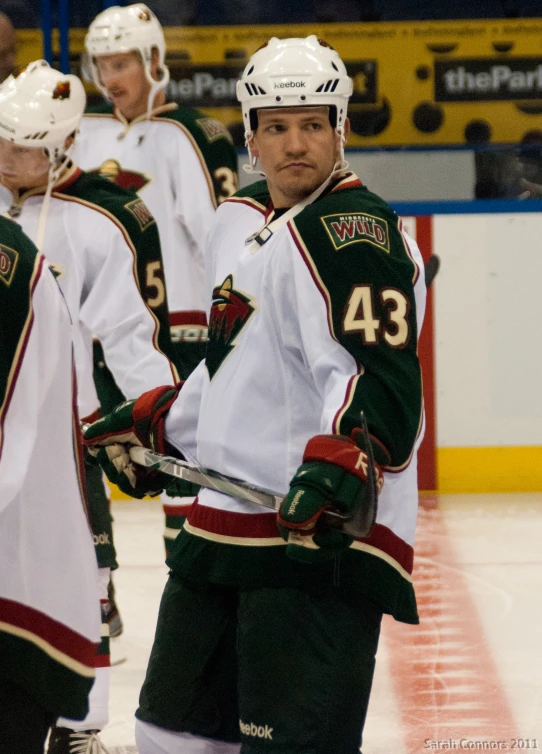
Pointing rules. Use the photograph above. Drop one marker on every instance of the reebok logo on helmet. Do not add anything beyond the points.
(291, 85)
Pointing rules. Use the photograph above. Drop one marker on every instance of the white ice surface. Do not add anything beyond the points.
(497, 544)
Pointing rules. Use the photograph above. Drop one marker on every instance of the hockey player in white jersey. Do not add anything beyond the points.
(49, 614)
(269, 624)
(180, 162)
(102, 243)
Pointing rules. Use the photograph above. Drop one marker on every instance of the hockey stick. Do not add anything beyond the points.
(358, 525)
(365, 516)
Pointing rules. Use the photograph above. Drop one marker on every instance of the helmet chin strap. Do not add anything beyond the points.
(56, 166)
(156, 86)
(258, 239)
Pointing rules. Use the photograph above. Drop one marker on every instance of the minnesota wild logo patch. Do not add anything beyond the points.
(62, 90)
(351, 227)
(126, 179)
(214, 129)
(8, 262)
(230, 312)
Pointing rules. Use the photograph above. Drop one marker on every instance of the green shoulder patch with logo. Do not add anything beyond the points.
(214, 129)
(8, 263)
(344, 229)
(140, 211)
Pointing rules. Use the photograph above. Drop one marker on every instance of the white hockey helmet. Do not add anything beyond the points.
(41, 107)
(295, 72)
(127, 29)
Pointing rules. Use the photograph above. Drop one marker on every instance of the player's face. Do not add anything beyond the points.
(22, 167)
(123, 75)
(298, 148)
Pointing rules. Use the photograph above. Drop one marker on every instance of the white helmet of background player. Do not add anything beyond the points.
(41, 107)
(133, 28)
(294, 73)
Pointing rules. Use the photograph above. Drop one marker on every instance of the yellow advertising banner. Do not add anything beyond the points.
(415, 84)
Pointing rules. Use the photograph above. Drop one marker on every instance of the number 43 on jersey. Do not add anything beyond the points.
(360, 316)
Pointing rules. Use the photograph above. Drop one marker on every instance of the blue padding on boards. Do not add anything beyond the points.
(467, 207)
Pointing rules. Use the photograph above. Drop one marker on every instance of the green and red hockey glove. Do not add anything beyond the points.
(132, 479)
(138, 422)
(333, 476)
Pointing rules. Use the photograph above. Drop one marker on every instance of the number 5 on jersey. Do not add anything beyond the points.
(360, 316)
(154, 279)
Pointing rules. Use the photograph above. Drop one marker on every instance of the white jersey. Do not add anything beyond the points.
(94, 238)
(306, 331)
(181, 164)
(49, 616)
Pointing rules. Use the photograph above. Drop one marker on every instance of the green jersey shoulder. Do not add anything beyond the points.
(212, 142)
(20, 265)
(132, 217)
(351, 241)
(17, 255)
(124, 207)
(352, 219)
(256, 194)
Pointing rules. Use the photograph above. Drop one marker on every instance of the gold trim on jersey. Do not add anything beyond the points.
(276, 541)
(229, 540)
(53, 652)
(371, 550)
(247, 200)
(348, 399)
(345, 178)
(140, 118)
(117, 115)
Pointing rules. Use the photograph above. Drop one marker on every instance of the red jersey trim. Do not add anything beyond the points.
(233, 523)
(93, 417)
(176, 510)
(350, 180)
(232, 527)
(193, 317)
(388, 542)
(61, 643)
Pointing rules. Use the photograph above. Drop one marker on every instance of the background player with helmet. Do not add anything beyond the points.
(269, 626)
(49, 615)
(181, 163)
(101, 241)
